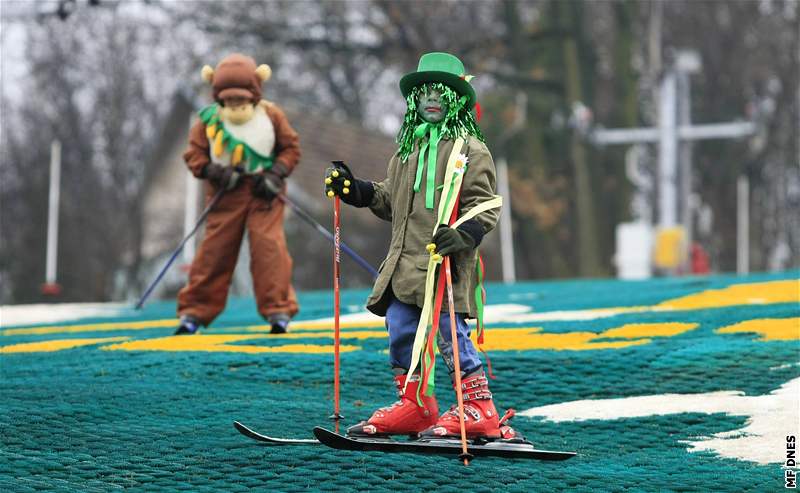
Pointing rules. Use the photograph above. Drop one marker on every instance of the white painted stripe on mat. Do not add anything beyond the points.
(770, 418)
(16, 315)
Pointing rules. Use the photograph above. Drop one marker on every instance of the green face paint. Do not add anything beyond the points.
(454, 119)
(431, 106)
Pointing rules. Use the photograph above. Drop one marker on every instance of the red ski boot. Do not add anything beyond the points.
(404, 417)
(480, 416)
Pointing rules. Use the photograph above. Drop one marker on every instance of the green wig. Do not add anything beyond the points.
(458, 122)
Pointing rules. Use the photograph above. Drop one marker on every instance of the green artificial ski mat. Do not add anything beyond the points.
(692, 382)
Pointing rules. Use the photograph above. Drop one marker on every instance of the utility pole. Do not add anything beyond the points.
(506, 228)
(667, 151)
(50, 286)
(690, 64)
(742, 225)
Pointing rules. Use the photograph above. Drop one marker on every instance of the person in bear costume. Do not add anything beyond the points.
(245, 146)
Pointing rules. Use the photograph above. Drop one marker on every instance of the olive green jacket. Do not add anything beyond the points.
(412, 226)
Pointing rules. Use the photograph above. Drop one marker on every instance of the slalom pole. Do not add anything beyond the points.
(327, 234)
(465, 456)
(178, 250)
(336, 416)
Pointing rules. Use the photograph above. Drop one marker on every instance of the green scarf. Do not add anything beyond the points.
(431, 145)
(253, 160)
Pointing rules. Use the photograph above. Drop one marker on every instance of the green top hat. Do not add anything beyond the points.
(440, 67)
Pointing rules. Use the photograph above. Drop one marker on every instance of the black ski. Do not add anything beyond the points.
(497, 448)
(275, 441)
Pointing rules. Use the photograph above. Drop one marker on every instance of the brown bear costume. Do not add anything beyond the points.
(263, 148)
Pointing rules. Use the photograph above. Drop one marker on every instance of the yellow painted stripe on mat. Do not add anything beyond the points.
(526, 338)
(634, 331)
(348, 334)
(770, 329)
(67, 329)
(59, 345)
(523, 339)
(757, 293)
(220, 343)
(313, 327)
(323, 325)
(173, 323)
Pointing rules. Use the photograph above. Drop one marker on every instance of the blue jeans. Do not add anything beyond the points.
(402, 320)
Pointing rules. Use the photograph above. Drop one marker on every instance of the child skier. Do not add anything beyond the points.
(244, 145)
(440, 148)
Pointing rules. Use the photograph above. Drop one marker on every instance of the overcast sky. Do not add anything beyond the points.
(13, 16)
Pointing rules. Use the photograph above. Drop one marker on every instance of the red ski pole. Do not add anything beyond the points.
(465, 456)
(336, 416)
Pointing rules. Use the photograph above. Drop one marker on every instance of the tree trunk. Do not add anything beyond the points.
(588, 262)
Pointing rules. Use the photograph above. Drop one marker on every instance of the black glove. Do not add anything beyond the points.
(225, 177)
(270, 184)
(339, 180)
(465, 237)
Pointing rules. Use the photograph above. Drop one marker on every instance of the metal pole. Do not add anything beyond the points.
(685, 149)
(603, 136)
(654, 29)
(703, 131)
(178, 250)
(742, 225)
(465, 455)
(731, 130)
(336, 416)
(190, 211)
(506, 232)
(190, 214)
(667, 151)
(327, 234)
(52, 213)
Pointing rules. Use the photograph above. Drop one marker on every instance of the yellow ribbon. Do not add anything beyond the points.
(447, 203)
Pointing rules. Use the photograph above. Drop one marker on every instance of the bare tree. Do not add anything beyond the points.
(99, 81)
(97, 90)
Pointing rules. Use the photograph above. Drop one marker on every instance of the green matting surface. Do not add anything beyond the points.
(91, 419)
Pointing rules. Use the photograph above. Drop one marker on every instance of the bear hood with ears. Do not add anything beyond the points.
(237, 75)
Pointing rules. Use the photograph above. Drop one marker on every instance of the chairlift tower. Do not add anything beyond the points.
(673, 136)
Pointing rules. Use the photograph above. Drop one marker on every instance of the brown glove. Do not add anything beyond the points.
(269, 184)
(225, 177)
